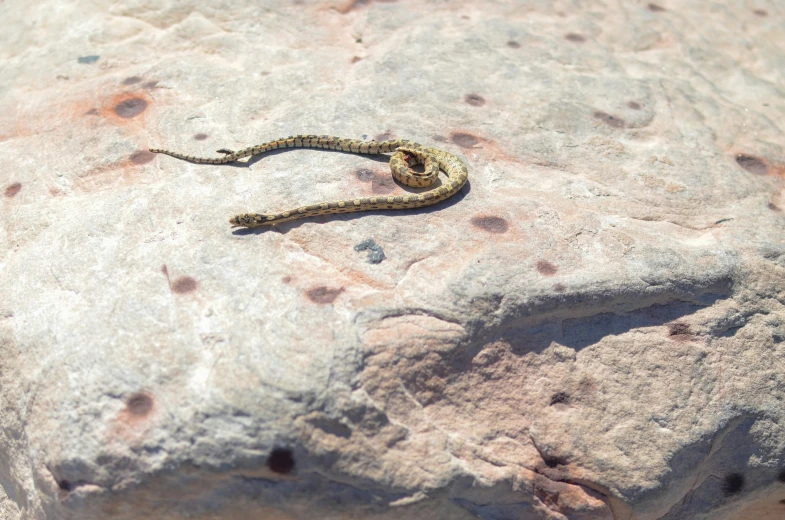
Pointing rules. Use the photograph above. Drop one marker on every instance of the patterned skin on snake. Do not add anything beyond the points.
(405, 154)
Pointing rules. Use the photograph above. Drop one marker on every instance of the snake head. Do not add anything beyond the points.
(242, 220)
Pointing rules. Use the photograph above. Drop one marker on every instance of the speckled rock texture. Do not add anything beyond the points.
(591, 329)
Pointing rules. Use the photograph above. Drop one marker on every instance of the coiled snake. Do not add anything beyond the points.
(405, 154)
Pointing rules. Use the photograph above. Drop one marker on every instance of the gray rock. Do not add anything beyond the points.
(593, 328)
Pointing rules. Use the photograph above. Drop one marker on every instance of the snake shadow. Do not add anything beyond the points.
(253, 159)
(285, 227)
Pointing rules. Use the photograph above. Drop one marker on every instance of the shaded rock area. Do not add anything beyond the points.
(591, 329)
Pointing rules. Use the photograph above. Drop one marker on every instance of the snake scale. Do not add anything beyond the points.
(405, 154)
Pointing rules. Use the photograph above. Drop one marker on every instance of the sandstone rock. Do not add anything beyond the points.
(592, 329)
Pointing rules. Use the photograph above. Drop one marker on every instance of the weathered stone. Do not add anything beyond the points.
(592, 329)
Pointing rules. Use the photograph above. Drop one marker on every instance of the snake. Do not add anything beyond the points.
(405, 154)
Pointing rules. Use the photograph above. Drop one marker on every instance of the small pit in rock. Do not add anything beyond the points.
(12, 189)
(733, 483)
(281, 461)
(184, 284)
(608, 119)
(464, 140)
(474, 100)
(752, 164)
(546, 268)
(490, 224)
(139, 404)
(142, 157)
(130, 108)
(560, 398)
(323, 295)
(680, 331)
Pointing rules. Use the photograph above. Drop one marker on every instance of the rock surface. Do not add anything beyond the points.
(592, 329)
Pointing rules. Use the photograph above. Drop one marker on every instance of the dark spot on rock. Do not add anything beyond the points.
(733, 483)
(752, 164)
(464, 140)
(552, 461)
(575, 38)
(92, 112)
(773, 207)
(680, 331)
(132, 80)
(281, 461)
(490, 224)
(165, 270)
(761, 12)
(512, 44)
(781, 476)
(560, 398)
(365, 175)
(286, 279)
(323, 295)
(201, 137)
(386, 136)
(139, 404)
(609, 120)
(12, 189)
(184, 284)
(375, 252)
(65, 485)
(382, 184)
(474, 100)
(439, 138)
(142, 157)
(150, 84)
(87, 59)
(130, 107)
(355, 59)
(634, 105)
(559, 287)
(546, 268)
(654, 8)
(782, 501)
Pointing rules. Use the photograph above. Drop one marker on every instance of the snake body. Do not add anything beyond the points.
(405, 154)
